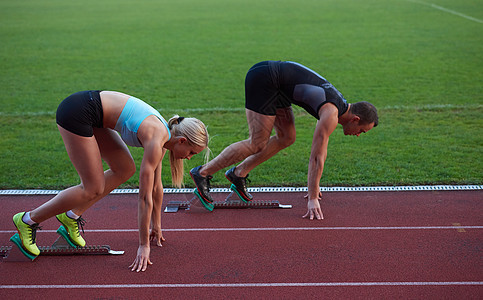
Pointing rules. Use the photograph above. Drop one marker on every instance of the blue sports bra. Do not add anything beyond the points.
(132, 115)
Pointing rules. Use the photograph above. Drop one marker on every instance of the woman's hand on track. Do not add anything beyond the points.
(156, 235)
(142, 259)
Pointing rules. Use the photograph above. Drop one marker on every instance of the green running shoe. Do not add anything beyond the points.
(27, 234)
(72, 227)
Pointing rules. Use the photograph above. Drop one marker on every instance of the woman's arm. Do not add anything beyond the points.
(153, 151)
(158, 193)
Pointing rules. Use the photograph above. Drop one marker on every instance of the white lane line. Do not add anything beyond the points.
(242, 109)
(276, 229)
(239, 285)
(447, 10)
(278, 189)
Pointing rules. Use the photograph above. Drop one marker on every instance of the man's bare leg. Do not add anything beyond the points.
(260, 127)
(285, 136)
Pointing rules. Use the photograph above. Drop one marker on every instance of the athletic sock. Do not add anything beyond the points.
(26, 219)
(72, 215)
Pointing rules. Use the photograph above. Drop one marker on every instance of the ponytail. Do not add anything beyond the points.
(196, 133)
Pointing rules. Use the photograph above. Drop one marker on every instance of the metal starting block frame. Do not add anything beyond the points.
(61, 247)
(232, 201)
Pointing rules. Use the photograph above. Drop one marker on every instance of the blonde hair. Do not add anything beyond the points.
(196, 133)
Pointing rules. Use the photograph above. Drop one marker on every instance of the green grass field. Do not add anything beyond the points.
(420, 65)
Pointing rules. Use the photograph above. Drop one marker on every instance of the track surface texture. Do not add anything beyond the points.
(377, 245)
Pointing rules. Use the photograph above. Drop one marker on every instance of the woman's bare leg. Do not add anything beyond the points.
(86, 158)
(117, 156)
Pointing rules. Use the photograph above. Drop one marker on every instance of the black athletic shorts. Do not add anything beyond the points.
(80, 113)
(262, 90)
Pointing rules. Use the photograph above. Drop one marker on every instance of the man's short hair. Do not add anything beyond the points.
(366, 111)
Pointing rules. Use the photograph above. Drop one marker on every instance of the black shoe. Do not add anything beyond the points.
(239, 185)
(202, 184)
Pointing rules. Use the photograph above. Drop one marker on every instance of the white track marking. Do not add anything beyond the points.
(240, 285)
(242, 109)
(277, 189)
(278, 229)
(447, 10)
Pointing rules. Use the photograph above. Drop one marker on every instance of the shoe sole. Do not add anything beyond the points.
(209, 206)
(68, 234)
(198, 192)
(63, 232)
(17, 240)
(240, 195)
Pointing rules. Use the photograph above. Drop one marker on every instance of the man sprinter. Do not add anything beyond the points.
(270, 89)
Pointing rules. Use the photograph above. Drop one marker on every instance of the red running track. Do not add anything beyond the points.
(378, 245)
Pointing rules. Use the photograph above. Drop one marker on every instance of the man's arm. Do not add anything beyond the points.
(325, 126)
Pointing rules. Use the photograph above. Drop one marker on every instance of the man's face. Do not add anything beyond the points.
(354, 128)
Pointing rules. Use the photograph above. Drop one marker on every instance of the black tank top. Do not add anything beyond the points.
(313, 90)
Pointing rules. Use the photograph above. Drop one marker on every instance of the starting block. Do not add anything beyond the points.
(232, 201)
(61, 246)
